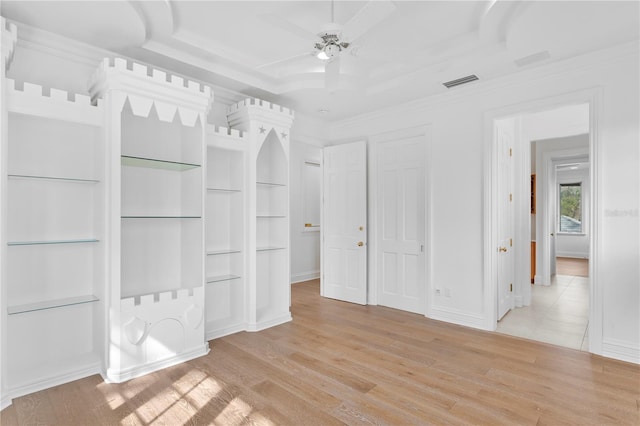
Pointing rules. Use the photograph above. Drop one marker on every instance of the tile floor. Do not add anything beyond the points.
(558, 314)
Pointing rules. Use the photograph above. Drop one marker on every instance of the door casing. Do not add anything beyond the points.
(593, 97)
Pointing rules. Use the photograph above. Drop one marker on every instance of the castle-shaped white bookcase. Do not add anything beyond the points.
(131, 230)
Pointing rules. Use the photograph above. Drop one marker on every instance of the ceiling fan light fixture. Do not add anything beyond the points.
(329, 51)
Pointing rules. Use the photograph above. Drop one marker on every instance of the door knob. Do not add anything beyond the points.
(502, 249)
(360, 243)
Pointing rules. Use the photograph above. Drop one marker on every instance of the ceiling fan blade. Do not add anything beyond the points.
(374, 12)
(332, 75)
(287, 60)
(280, 22)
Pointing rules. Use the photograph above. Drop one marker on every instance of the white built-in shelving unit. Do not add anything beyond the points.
(226, 236)
(53, 269)
(268, 128)
(131, 231)
(155, 134)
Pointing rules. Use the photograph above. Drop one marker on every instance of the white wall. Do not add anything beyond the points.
(305, 242)
(457, 120)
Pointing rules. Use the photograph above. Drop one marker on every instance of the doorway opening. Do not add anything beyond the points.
(552, 291)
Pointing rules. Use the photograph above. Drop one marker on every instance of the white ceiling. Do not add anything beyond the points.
(416, 46)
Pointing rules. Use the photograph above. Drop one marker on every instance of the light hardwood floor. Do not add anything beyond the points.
(341, 363)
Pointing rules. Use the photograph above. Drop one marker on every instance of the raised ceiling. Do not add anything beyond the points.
(409, 53)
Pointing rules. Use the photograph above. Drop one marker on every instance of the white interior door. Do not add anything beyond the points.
(401, 224)
(344, 227)
(505, 134)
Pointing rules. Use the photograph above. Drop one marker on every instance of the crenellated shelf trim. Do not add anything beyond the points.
(146, 87)
(256, 115)
(261, 104)
(58, 104)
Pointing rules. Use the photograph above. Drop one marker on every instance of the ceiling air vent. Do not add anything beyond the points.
(458, 82)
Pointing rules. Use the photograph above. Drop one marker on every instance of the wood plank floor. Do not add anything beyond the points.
(338, 363)
(572, 266)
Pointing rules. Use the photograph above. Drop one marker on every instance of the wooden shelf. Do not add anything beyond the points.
(51, 304)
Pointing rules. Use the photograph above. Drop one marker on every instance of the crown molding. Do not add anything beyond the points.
(592, 60)
(90, 56)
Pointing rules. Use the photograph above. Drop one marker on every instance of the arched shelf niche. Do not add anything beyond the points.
(272, 230)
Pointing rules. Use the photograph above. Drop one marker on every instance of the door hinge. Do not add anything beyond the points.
(510, 242)
(510, 197)
(511, 287)
(510, 152)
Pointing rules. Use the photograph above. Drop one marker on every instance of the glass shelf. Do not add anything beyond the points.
(152, 163)
(161, 217)
(217, 252)
(269, 248)
(34, 243)
(270, 184)
(50, 304)
(223, 190)
(54, 178)
(219, 278)
(270, 215)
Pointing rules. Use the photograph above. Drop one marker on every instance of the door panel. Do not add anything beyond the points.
(344, 210)
(505, 133)
(401, 224)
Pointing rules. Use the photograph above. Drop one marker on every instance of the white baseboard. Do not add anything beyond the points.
(304, 276)
(119, 376)
(224, 331)
(459, 318)
(518, 301)
(5, 401)
(620, 350)
(263, 325)
(51, 381)
(572, 254)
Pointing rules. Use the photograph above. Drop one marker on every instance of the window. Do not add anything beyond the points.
(570, 203)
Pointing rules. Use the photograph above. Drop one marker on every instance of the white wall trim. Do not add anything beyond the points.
(573, 254)
(621, 350)
(55, 380)
(458, 317)
(5, 401)
(225, 331)
(304, 276)
(119, 376)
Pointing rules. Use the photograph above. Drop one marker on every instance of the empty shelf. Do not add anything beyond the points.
(55, 178)
(270, 184)
(50, 304)
(153, 163)
(218, 278)
(217, 252)
(269, 248)
(223, 190)
(32, 243)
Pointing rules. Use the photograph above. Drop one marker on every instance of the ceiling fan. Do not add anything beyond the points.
(334, 39)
